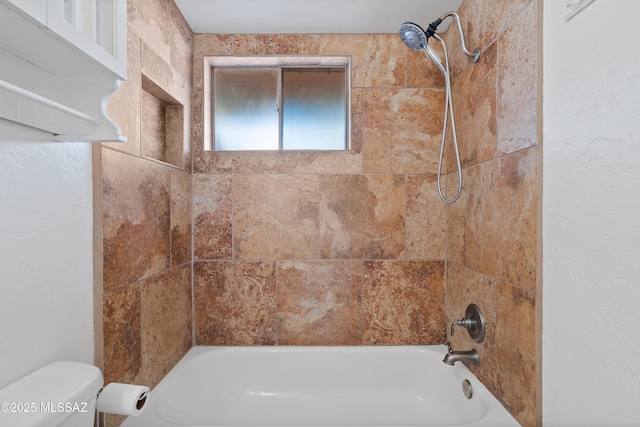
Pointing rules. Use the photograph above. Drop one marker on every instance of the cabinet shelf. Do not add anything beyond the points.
(60, 60)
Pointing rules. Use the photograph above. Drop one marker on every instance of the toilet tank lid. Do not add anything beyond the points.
(56, 382)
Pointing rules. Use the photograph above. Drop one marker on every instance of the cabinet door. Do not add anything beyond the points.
(97, 27)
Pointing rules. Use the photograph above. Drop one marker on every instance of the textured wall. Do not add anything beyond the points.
(45, 256)
(325, 247)
(491, 230)
(146, 206)
(591, 221)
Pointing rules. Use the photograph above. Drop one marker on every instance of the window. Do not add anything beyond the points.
(278, 103)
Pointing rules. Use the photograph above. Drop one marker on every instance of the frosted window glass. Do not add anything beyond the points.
(314, 109)
(246, 109)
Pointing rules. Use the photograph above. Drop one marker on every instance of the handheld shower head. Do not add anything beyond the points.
(416, 38)
(413, 36)
(435, 57)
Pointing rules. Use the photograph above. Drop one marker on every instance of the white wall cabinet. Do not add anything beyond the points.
(59, 62)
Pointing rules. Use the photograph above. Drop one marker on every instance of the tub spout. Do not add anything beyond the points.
(472, 357)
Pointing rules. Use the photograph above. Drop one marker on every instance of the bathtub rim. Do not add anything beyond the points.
(496, 414)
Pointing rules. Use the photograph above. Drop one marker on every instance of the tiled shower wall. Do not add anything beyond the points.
(325, 248)
(491, 231)
(145, 208)
(329, 248)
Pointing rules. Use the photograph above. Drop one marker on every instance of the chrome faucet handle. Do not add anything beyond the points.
(463, 323)
(473, 322)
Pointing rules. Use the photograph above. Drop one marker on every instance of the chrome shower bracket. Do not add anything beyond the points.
(475, 55)
(474, 322)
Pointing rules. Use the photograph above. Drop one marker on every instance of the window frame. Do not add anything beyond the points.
(210, 62)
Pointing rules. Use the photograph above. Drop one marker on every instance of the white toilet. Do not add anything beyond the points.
(60, 394)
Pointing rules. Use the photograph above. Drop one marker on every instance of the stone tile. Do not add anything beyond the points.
(187, 148)
(449, 161)
(122, 335)
(377, 60)
(161, 74)
(209, 45)
(235, 303)
(502, 221)
(485, 20)
(421, 71)
(362, 216)
(243, 162)
(123, 106)
(457, 214)
(181, 50)
(214, 45)
(149, 19)
(425, 221)
(136, 230)
(153, 132)
(276, 216)
(474, 100)
(403, 302)
(482, 22)
(181, 213)
(249, 161)
(180, 87)
(177, 138)
(277, 44)
(197, 124)
(357, 121)
(464, 287)
(212, 212)
(319, 162)
(458, 61)
(166, 322)
(112, 420)
(516, 352)
(402, 130)
(319, 302)
(517, 83)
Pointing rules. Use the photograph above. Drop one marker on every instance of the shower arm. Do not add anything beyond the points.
(476, 53)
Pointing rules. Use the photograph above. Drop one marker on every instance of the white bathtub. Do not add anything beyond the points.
(319, 386)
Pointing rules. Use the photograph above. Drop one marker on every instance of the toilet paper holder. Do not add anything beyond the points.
(122, 399)
(142, 399)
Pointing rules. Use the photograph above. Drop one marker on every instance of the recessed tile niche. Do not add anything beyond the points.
(162, 125)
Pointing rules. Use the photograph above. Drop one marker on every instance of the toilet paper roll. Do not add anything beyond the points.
(122, 399)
